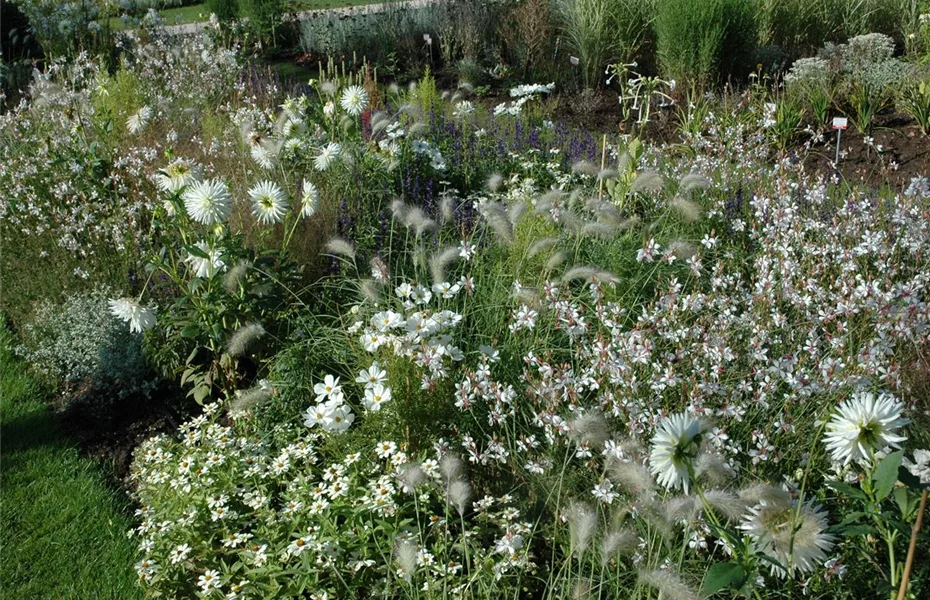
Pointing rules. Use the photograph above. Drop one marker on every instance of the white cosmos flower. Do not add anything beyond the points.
(675, 445)
(354, 100)
(309, 200)
(139, 317)
(207, 267)
(328, 154)
(208, 202)
(139, 120)
(863, 425)
(375, 396)
(340, 418)
(269, 205)
(771, 525)
(372, 376)
(176, 176)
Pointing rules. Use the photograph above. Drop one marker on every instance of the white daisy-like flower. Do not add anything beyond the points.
(863, 425)
(209, 266)
(208, 202)
(309, 199)
(354, 100)
(674, 447)
(176, 176)
(263, 155)
(139, 317)
(269, 204)
(139, 120)
(463, 109)
(771, 525)
(920, 466)
(328, 154)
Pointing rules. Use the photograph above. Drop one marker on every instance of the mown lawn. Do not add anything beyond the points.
(194, 13)
(62, 528)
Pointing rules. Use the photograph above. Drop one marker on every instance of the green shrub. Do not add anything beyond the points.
(263, 19)
(703, 42)
(80, 342)
(225, 10)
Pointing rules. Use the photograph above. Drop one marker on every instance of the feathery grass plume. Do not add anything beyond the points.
(578, 272)
(692, 182)
(411, 477)
(557, 258)
(494, 182)
(501, 226)
(605, 174)
(466, 87)
(543, 245)
(763, 492)
(340, 247)
(415, 217)
(447, 209)
(450, 466)
(629, 224)
(726, 503)
(405, 555)
(582, 522)
(527, 295)
(454, 98)
(244, 337)
(422, 226)
(585, 168)
(682, 250)
(624, 162)
(681, 508)
(607, 213)
(647, 181)
(670, 585)
(589, 427)
(459, 492)
(417, 129)
(371, 289)
(713, 468)
(571, 222)
(688, 210)
(440, 260)
(379, 122)
(411, 108)
(551, 198)
(601, 230)
(606, 277)
(619, 542)
(399, 210)
(328, 87)
(246, 400)
(632, 476)
(515, 213)
(582, 590)
(236, 276)
(346, 123)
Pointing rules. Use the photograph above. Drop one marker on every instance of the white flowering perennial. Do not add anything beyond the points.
(327, 156)
(269, 203)
(354, 100)
(206, 261)
(139, 120)
(140, 318)
(208, 202)
(794, 539)
(675, 446)
(863, 425)
(309, 199)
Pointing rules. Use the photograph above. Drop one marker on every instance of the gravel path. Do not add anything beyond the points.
(192, 28)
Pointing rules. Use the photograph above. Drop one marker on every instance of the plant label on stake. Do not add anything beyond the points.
(574, 61)
(839, 123)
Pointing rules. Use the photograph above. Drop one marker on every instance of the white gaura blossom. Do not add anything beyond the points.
(139, 120)
(207, 267)
(208, 202)
(675, 445)
(139, 317)
(309, 199)
(863, 425)
(269, 204)
(354, 100)
(787, 534)
(328, 154)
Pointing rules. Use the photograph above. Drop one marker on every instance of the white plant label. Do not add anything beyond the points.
(840, 122)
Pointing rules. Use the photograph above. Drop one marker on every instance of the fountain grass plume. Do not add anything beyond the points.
(542, 245)
(619, 542)
(688, 210)
(582, 523)
(235, 276)
(340, 247)
(647, 181)
(669, 584)
(440, 260)
(243, 338)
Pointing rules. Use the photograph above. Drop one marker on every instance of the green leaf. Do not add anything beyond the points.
(191, 331)
(722, 576)
(845, 488)
(886, 474)
(196, 251)
(902, 499)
